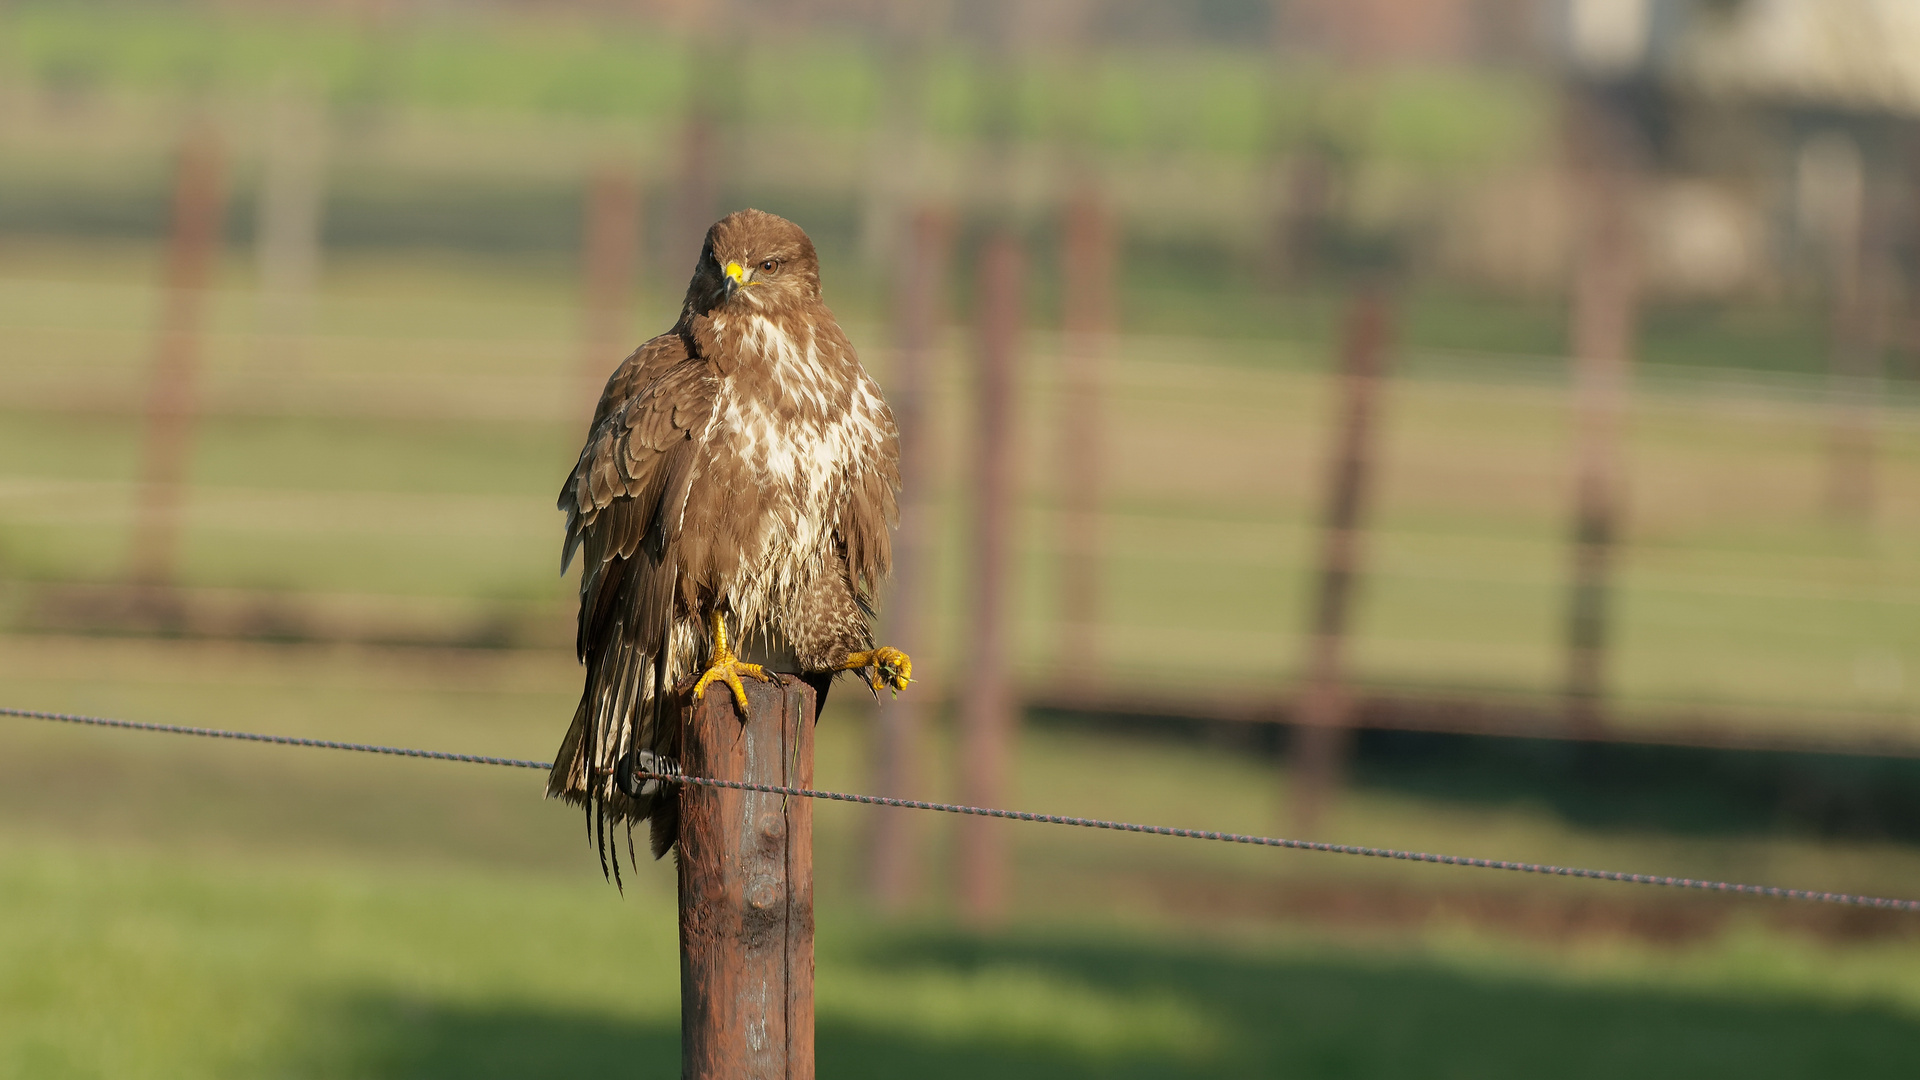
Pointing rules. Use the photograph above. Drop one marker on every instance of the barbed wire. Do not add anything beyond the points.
(1769, 891)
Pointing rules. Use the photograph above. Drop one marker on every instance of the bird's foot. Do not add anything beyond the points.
(727, 668)
(882, 667)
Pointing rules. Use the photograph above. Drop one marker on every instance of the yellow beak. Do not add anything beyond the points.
(737, 274)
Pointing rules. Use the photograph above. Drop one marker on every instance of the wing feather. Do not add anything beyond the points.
(872, 509)
(622, 505)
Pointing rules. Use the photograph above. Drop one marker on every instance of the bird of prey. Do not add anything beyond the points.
(733, 503)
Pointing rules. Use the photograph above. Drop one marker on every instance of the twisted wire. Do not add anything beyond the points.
(1775, 892)
(281, 740)
(1768, 891)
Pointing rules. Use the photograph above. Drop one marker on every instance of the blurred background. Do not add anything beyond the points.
(1486, 426)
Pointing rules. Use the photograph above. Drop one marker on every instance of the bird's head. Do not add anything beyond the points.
(755, 261)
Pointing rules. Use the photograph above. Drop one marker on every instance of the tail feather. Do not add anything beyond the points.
(593, 768)
(565, 779)
(663, 827)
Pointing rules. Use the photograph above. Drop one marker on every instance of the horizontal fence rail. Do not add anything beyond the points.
(1768, 891)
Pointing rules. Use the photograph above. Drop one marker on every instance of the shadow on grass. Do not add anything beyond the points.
(1692, 791)
(1270, 1015)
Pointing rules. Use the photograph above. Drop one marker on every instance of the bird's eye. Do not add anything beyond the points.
(767, 266)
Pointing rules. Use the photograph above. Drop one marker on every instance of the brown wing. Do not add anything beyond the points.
(632, 435)
(623, 503)
(872, 507)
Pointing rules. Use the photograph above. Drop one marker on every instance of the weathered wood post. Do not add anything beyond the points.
(988, 711)
(1087, 286)
(1605, 315)
(609, 243)
(199, 197)
(711, 105)
(1850, 219)
(1323, 710)
(287, 225)
(746, 888)
(893, 867)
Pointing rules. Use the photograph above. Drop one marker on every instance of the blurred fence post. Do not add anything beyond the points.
(893, 870)
(1302, 179)
(1853, 380)
(1308, 183)
(746, 888)
(987, 705)
(192, 246)
(610, 236)
(1857, 225)
(292, 205)
(1087, 268)
(1323, 710)
(1604, 154)
(698, 203)
(893, 168)
(711, 97)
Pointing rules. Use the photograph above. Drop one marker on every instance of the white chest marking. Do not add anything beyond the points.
(804, 434)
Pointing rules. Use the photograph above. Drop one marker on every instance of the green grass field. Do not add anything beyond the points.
(179, 907)
(132, 964)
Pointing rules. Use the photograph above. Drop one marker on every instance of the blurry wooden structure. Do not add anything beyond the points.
(987, 704)
(710, 104)
(288, 217)
(988, 711)
(1604, 159)
(1836, 83)
(609, 243)
(698, 201)
(199, 200)
(1322, 713)
(897, 147)
(1848, 224)
(912, 241)
(893, 869)
(746, 888)
(1308, 185)
(1834, 88)
(1087, 289)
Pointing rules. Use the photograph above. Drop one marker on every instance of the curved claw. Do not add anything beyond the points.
(884, 667)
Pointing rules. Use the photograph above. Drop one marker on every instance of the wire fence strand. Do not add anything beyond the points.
(280, 740)
(1698, 884)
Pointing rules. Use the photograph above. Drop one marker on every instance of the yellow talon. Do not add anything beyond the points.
(727, 668)
(885, 666)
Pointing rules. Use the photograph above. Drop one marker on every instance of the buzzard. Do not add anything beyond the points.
(733, 503)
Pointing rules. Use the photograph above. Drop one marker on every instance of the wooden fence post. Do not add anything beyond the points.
(1087, 269)
(1858, 257)
(199, 196)
(287, 226)
(1323, 711)
(893, 867)
(987, 707)
(710, 103)
(610, 237)
(1605, 304)
(698, 199)
(746, 888)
